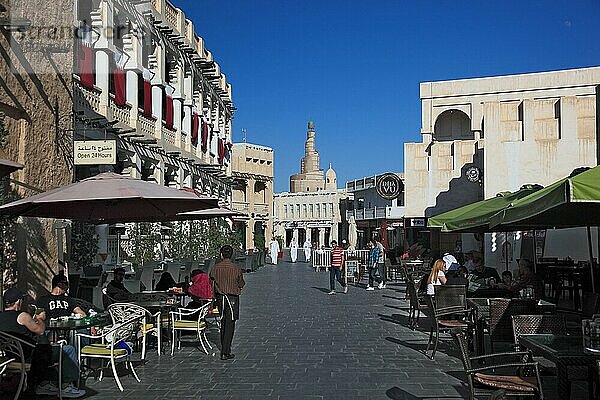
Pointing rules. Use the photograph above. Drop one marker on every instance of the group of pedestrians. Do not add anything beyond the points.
(375, 266)
(275, 250)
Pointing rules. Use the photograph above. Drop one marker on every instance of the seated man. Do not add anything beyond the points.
(483, 272)
(24, 326)
(58, 304)
(115, 289)
(508, 282)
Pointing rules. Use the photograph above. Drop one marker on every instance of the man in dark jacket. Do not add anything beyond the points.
(229, 282)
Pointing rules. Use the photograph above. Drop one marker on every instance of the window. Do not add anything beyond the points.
(312, 211)
(285, 211)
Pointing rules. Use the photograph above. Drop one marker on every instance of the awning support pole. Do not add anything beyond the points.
(591, 252)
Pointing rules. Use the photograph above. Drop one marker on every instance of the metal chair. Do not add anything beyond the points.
(483, 385)
(444, 319)
(111, 348)
(179, 324)
(500, 324)
(124, 312)
(12, 359)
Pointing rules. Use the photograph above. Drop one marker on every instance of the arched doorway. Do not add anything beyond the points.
(452, 125)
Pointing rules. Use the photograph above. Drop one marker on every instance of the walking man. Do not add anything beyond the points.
(294, 249)
(335, 272)
(307, 250)
(229, 282)
(274, 250)
(372, 267)
(381, 264)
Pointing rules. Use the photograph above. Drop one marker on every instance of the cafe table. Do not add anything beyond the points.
(70, 325)
(565, 352)
(481, 313)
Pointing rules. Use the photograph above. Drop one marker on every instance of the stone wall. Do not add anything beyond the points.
(36, 99)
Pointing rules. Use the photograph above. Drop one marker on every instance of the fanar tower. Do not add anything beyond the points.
(311, 177)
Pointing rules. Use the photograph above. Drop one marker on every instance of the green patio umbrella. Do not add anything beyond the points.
(571, 202)
(475, 217)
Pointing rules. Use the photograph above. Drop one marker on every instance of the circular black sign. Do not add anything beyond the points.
(473, 174)
(389, 186)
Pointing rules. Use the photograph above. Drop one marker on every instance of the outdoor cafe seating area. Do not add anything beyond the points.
(157, 321)
(508, 343)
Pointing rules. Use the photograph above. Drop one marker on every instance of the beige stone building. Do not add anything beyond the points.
(311, 210)
(252, 194)
(134, 72)
(483, 136)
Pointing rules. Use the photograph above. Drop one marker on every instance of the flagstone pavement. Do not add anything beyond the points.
(293, 341)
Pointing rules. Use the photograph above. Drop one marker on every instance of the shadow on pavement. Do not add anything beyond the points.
(398, 394)
(395, 318)
(324, 290)
(405, 308)
(385, 296)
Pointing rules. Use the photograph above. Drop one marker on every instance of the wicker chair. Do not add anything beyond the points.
(451, 296)
(538, 324)
(501, 311)
(482, 385)
(416, 304)
(443, 319)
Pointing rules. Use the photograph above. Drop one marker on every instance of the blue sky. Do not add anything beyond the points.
(354, 67)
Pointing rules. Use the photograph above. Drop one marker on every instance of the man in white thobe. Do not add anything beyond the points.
(273, 250)
(294, 250)
(307, 250)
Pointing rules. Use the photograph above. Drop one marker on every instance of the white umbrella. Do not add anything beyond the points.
(352, 233)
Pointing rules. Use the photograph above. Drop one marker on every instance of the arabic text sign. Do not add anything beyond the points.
(94, 152)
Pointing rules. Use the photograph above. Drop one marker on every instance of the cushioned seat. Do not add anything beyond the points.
(16, 366)
(183, 324)
(515, 383)
(102, 350)
(450, 323)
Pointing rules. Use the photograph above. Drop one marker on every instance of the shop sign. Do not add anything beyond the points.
(95, 152)
(416, 222)
(389, 186)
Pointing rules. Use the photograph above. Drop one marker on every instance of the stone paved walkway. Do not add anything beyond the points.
(293, 341)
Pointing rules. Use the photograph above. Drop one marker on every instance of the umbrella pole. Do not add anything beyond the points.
(118, 249)
(506, 251)
(534, 252)
(591, 252)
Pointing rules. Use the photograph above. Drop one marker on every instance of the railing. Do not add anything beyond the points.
(322, 258)
(171, 14)
(168, 135)
(87, 98)
(261, 208)
(146, 125)
(240, 206)
(121, 114)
